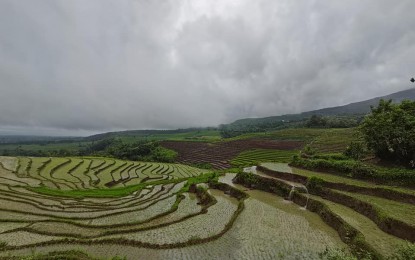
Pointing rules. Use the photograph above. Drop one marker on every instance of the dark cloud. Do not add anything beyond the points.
(100, 65)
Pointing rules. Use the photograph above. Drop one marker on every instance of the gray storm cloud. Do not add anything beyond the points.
(99, 65)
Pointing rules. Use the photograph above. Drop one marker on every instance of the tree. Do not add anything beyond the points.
(389, 130)
(355, 150)
(316, 121)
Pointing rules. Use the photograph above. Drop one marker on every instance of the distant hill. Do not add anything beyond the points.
(187, 133)
(247, 125)
(353, 110)
(357, 108)
(31, 139)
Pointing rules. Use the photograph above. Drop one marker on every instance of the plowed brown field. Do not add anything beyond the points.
(220, 154)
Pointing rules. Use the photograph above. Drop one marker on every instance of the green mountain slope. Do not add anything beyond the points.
(357, 108)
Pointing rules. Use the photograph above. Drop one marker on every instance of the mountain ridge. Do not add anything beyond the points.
(354, 108)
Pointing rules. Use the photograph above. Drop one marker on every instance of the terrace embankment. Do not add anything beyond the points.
(390, 216)
(285, 172)
(267, 228)
(350, 235)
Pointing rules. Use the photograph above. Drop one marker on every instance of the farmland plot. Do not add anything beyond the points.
(109, 206)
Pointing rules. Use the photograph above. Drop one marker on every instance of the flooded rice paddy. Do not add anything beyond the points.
(268, 228)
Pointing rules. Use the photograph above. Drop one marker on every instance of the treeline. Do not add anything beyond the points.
(144, 133)
(317, 121)
(137, 151)
(387, 132)
(38, 140)
(38, 153)
(264, 125)
(110, 147)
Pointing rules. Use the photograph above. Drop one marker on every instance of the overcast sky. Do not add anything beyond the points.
(78, 67)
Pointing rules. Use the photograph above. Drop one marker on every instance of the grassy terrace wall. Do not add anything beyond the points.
(351, 236)
(358, 170)
(373, 191)
(386, 223)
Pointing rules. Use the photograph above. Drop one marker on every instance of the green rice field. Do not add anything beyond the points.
(108, 207)
(253, 157)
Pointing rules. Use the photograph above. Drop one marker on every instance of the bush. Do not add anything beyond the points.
(247, 178)
(309, 151)
(355, 150)
(314, 184)
(161, 154)
(359, 170)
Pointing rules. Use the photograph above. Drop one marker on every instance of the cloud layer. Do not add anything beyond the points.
(101, 65)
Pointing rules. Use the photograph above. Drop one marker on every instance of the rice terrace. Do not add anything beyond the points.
(207, 130)
(94, 206)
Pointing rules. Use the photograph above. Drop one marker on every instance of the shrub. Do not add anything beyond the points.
(405, 252)
(355, 150)
(334, 156)
(314, 184)
(161, 154)
(309, 151)
(247, 178)
(359, 170)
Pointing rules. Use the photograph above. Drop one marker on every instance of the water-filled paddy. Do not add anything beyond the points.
(161, 220)
(268, 228)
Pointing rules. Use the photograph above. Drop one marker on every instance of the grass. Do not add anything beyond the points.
(358, 170)
(118, 192)
(401, 211)
(324, 140)
(301, 134)
(381, 241)
(332, 177)
(339, 179)
(101, 172)
(334, 140)
(67, 254)
(100, 193)
(253, 157)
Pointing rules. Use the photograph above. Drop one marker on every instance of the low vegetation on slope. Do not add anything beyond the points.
(253, 157)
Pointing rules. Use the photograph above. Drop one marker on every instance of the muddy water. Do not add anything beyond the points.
(9, 163)
(268, 228)
(281, 167)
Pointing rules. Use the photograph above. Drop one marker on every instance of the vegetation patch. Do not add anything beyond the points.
(359, 170)
(101, 193)
(253, 157)
(282, 171)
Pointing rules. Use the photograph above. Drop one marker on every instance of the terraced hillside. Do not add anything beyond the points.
(108, 207)
(380, 216)
(89, 173)
(220, 154)
(253, 157)
(100, 200)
